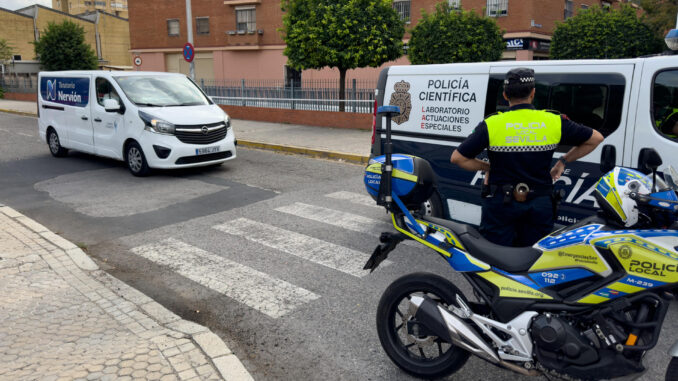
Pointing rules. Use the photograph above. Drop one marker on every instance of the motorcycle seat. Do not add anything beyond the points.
(507, 258)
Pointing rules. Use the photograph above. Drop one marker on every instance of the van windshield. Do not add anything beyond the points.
(161, 91)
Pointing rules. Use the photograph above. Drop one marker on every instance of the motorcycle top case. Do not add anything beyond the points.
(412, 179)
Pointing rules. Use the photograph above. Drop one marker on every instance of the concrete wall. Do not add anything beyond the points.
(114, 39)
(17, 29)
(309, 118)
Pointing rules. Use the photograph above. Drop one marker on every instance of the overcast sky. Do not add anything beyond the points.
(16, 4)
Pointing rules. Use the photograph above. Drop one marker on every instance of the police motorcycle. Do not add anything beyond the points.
(585, 302)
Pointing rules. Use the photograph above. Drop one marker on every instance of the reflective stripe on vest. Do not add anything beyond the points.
(524, 130)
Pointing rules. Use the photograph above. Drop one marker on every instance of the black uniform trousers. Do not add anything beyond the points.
(516, 223)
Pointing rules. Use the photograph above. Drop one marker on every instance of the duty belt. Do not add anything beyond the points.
(520, 192)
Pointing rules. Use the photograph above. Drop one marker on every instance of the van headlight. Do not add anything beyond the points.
(227, 121)
(156, 125)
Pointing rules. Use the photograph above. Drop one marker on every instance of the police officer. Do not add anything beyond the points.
(516, 206)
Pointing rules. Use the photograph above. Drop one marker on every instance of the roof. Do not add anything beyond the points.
(29, 9)
(15, 12)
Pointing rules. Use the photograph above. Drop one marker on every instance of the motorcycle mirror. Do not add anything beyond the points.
(608, 158)
(649, 160)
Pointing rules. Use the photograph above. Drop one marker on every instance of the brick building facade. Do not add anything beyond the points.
(240, 39)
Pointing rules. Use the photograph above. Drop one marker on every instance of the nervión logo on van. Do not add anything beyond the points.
(51, 89)
(401, 98)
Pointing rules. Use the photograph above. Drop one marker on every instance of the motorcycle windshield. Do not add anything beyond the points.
(671, 178)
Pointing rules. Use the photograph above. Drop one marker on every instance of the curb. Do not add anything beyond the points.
(214, 348)
(33, 114)
(333, 155)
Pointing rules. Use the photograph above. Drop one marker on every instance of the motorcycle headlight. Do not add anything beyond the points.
(156, 125)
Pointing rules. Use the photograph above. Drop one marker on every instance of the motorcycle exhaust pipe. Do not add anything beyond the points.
(453, 329)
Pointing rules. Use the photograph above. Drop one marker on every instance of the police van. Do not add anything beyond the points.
(632, 102)
(147, 119)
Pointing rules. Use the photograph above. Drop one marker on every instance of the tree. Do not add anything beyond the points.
(344, 34)
(598, 33)
(660, 15)
(62, 47)
(5, 50)
(455, 36)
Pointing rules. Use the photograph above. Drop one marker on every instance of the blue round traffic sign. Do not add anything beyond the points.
(189, 52)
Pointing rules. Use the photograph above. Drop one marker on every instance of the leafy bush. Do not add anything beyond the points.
(603, 33)
(455, 36)
(62, 47)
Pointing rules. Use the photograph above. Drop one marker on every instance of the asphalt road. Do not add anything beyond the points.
(266, 250)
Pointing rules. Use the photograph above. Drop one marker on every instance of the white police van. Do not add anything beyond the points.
(148, 119)
(632, 102)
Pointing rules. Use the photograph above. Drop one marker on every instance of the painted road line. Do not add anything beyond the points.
(348, 221)
(327, 254)
(337, 218)
(356, 198)
(269, 295)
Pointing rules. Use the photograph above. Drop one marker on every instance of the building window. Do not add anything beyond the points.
(202, 25)
(245, 19)
(569, 9)
(584, 6)
(455, 4)
(173, 27)
(100, 4)
(17, 57)
(496, 8)
(403, 9)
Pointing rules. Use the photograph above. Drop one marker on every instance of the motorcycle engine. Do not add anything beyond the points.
(558, 344)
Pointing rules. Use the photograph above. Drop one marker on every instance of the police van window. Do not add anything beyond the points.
(594, 100)
(105, 91)
(665, 104)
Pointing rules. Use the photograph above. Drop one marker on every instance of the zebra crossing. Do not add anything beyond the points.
(260, 291)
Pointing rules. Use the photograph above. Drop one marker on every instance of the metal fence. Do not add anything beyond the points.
(315, 95)
(19, 84)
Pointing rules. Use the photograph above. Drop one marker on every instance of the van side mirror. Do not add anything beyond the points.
(649, 160)
(608, 158)
(111, 105)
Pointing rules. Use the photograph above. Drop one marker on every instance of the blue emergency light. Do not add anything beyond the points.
(671, 39)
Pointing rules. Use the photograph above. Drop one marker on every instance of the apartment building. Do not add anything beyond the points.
(76, 7)
(240, 38)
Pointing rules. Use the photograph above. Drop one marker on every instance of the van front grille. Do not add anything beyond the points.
(201, 133)
(204, 158)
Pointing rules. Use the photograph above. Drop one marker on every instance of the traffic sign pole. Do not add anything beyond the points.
(189, 26)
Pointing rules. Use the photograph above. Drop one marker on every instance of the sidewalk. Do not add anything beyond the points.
(64, 319)
(332, 143)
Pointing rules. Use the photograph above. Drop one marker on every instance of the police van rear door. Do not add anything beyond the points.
(440, 106)
(592, 93)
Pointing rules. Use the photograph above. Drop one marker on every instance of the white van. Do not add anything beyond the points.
(632, 102)
(148, 119)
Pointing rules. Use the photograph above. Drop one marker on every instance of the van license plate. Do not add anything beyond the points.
(206, 150)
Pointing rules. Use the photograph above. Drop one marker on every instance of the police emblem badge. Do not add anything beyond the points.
(401, 98)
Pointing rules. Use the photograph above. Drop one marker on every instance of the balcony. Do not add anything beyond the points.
(241, 2)
(242, 38)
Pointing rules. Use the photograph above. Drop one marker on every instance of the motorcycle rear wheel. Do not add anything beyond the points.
(421, 356)
(672, 370)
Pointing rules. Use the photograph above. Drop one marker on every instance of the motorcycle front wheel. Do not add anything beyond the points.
(421, 356)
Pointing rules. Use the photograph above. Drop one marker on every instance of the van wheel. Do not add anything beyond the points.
(136, 161)
(54, 144)
(432, 207)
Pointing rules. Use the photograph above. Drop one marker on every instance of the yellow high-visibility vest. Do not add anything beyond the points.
(524, 130)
